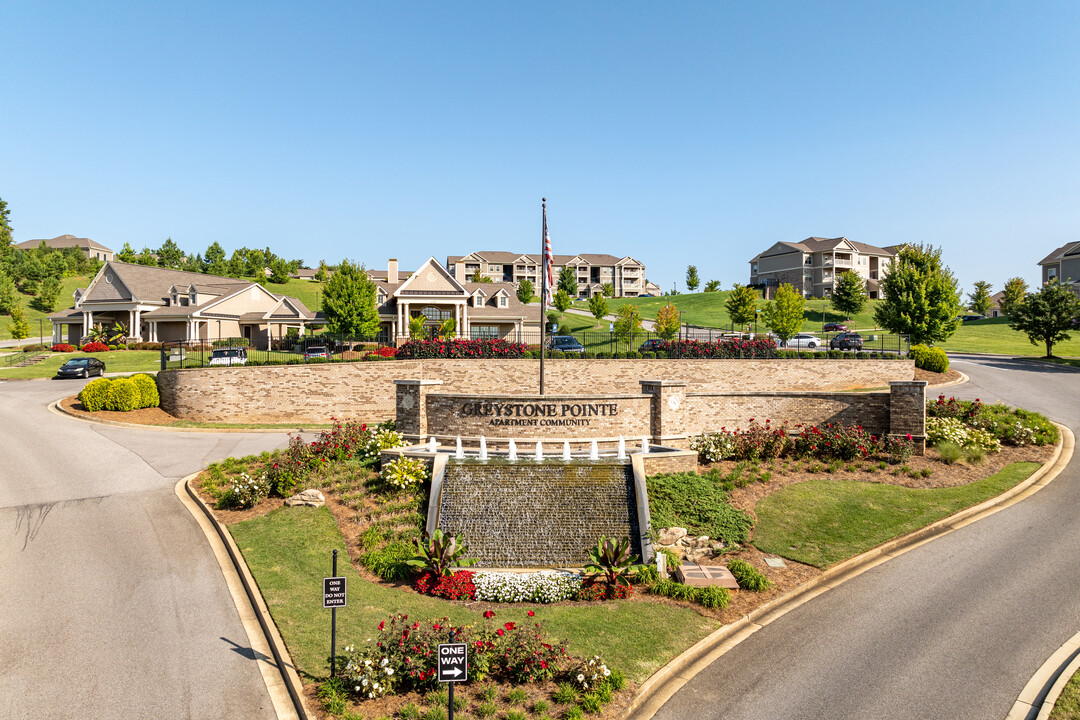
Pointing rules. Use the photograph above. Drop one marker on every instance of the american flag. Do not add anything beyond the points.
(549, 263)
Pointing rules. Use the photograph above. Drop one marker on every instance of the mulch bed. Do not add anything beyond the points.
(143, 416)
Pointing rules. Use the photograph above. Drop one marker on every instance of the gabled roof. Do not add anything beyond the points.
(817, 244)
(430, 272)
(500, 256)
(64, 241)
(1068, 249)
(153, 284)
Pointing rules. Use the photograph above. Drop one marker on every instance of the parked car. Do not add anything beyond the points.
(81, 368)
(969, 318)
(802, 341)
(834, 327)
(566, 343)
(653, 345)
(317, 351)
(228, 356)
(846, 341)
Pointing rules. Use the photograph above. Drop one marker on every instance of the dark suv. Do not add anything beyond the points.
(653, 345)
(846, 341)
(566, 344)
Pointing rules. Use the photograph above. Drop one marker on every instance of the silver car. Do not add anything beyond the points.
(803, 341)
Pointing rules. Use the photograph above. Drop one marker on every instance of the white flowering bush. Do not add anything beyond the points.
(713, 447)
(947, 429)
(247, 490)
(405, 472)
(367, 673)
(547, 586)
(591, 673)
(382, 438)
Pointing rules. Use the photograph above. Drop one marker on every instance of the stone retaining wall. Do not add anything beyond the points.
(365, 390)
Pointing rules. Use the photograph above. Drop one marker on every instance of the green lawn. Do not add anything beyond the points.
(1067, 706)
(121, 361)
(995, 336)
(64, 301)
(289, 552)
(823, 522)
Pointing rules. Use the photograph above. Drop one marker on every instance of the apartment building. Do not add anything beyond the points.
(593, 271)
(1063, 265)
(811, 266)
(91, 249)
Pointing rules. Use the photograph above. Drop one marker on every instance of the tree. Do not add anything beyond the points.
(979, 301)
(146, 257)
(1014, 291)
(9, 297)
(418, 327)
(667, 322)
(741, 305)
(127, 254)
(692, 279)
(214, 260)
(598, 307)
(237, 264)
(921, 297)
(525, 291)
(712, 286)
(784, 314)
(349, 302)
(321, 275)
(255, 261)
(170, 255)
(448, 329)
(478, 278)
(19, 327)
(279, 271)
(561, 301)
(849, 296)
(48, 294)
(5, 231)
(608, 289)
(1046, 316)
(567, 281)
(628, 323)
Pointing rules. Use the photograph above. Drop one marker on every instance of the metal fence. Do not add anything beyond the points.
(339, 348)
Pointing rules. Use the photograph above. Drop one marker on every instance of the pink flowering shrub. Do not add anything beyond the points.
(424, 349)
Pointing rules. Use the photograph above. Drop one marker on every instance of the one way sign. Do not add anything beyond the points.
(453, 662)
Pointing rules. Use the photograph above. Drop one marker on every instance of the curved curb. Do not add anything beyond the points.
(282, 681)
(669, 679)
(56, 407)
(959, 381)
(1058, 669)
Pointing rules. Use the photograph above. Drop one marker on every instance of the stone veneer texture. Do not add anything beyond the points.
(365, 391)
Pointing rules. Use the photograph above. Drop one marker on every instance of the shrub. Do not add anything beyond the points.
(458, 586)
(441, 552)
(94, 393)
(93, 347)
(697, 503)
(148, 390)
(405, 472)
(423, 349)
(122, 395)
(384, 353)
(947, 429)
(950, 452)
(246, 491)
(390, 562)
(748, 576)
(547, 586)
(62, 347)
(929, 359)
(713, 597)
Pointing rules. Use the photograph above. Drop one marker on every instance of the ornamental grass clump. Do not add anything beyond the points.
(748, 576)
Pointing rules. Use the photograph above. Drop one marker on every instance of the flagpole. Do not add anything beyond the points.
(543, 291)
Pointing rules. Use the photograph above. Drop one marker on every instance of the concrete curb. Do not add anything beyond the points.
(1038, 697)
(669, 679)
(959, 381)
(282, 681)
(56, 407)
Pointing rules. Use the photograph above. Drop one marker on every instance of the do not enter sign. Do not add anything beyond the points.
(453, 662)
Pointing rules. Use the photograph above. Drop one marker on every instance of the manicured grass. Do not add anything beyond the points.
(32, 314)
(995, 336)
(823, 522)
(119, 361)
(289, 552)
(1067, 706)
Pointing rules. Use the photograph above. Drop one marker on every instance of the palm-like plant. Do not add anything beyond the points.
(441, 552)
(417, 330)
(97, 334)
(613, 559)
(119, 332)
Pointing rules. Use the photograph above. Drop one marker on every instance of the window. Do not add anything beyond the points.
(484, 332)
(503, 301)
(434, 313)
(809, 260)
(1051, 273)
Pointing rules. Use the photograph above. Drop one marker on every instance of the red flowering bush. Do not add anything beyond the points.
(839, 441)
(725, 348)
(93, 347)
(62, 347)
(384, 353)
(596, 590)
(964, 411)
(458, 586)
(425, 349)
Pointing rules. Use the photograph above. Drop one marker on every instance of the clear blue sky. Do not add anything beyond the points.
(673, 132)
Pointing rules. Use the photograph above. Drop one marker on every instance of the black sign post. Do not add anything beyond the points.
(453, 667)
(333, 597)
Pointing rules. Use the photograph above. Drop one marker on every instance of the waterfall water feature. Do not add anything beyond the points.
(511, 454)
(622, 448)
(483, 448)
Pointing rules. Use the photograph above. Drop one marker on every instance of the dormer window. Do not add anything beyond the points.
(380, 296)
(192, 299)
(503, 301)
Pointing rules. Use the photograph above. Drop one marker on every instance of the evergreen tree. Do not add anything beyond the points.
(127, 254)
(598, 307)
(279, 271)
(567, 281)
(146, 257)
(1046, 316)
(6, 237)
(237, 264)
(849, 296)
(9, 296)
(712, 286)
(921, 297)
(214, 260)
(1014, 291)
(741, 305)
(19, 327)
(525, 291)
(979, 301)
(667, 322)
(48, 294)
(349, 302)
(692, 279)
(784, 313)
(169, 255)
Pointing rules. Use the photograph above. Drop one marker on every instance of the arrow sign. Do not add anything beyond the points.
(453, 662)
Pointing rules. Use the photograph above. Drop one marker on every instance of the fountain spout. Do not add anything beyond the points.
(512, 453)
(644, 446)
(566, 450)
(483, 448)
(539, 457)
(431, 445)
(458, 453)
(594, 452)
(622, 448)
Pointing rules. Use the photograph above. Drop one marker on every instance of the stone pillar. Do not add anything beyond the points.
(907, 411)
(668, 414)
(411, 405)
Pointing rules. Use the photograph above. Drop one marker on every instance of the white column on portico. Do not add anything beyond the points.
(408, 318)
(136, 329)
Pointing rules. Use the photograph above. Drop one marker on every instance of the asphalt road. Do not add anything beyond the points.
(953, 629)
(111, 602)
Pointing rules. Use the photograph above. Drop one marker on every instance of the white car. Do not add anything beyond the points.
(801, 341)
(228, 356)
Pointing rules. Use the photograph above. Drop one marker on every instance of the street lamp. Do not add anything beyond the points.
(756, 313)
